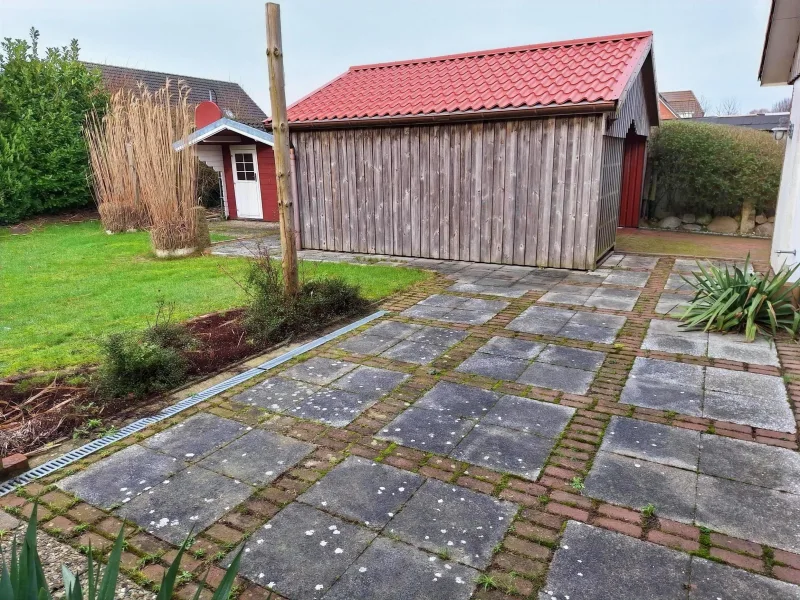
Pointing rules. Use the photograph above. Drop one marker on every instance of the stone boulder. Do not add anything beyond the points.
(704, 219)
(723, 225)
(669, 223)
(644, 223)
(688, 218)
(661, 212)
(765, 229)
(771, 220)
(691, 227)
(761, 219)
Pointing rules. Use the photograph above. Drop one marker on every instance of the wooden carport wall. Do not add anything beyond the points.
(503, 189)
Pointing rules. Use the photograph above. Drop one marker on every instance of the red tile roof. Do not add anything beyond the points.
(573, 72)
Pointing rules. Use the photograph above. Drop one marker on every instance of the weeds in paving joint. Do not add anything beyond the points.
(443, 553)
(544, 499)
(577, 483)
(649, 510)
(80, 528)
(199, 553)
(486, 581)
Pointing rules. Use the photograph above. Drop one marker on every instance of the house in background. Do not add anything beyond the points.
(777, 124)
(529, 155)
(780, 65)
(665, 111)
(230, 137)
(684, 104)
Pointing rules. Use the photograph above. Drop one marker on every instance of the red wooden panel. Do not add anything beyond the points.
(632, 179)
(268, 183)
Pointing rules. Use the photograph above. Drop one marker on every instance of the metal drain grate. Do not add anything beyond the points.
(95, 445)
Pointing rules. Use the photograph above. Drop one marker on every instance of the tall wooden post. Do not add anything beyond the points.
(280, 131)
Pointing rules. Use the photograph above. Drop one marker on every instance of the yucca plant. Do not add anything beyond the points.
(742, 300)
(24, 580)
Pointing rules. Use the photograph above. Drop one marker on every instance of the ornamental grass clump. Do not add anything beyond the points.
(23, 578)
(742, 300)
(114, 179)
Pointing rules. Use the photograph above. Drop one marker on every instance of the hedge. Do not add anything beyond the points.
(43, 103)
(707, 168)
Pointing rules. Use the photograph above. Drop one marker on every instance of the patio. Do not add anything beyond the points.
(503, 432)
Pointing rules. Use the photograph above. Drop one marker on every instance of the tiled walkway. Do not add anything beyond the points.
(504, 432)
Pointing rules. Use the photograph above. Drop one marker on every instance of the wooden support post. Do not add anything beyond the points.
(280, 131)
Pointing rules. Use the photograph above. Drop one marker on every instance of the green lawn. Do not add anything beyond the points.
(65, 286)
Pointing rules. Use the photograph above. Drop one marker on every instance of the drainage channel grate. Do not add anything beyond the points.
(95, 445)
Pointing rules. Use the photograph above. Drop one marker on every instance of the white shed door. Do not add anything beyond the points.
(244, 161)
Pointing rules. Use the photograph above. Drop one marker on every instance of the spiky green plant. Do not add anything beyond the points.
(742, 300)
(24, 578)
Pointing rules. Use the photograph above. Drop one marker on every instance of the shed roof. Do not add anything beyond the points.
(569, 74)
(220, 125)
(684, 101)
(229, 96)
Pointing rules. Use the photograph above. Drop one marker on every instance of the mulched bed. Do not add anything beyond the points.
(35, 409)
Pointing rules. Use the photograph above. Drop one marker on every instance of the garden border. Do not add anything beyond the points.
(98, 444)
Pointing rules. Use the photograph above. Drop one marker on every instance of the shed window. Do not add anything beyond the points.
(245, 166)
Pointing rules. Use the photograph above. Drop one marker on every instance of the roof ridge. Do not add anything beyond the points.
(170, 75)
(506, 50)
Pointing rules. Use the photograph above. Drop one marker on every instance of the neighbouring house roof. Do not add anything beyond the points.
(578, 74)
(780, 44)
(665, 111)
(224, 125)
(763, 122)
(230, 97)
(685, 103)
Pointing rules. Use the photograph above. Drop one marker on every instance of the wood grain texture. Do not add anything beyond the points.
(524, 192)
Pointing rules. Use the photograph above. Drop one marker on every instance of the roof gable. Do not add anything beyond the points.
(561, 74)
(224, 125)
(229, 96)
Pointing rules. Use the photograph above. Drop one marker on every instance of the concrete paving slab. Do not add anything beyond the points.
(466, 524)
(597, 564)
(319, 370)
(361, 490)
(458, 400)
(598, 319)
(302, 551)
(258, 457)
(675, 344)
(367, 344)
(667, 371)
(122, 476)
(749, 462)
(576, 358)
(439, 336)
(767, 413)
(712, 581)
(370, 382)
(568, 294)
(494, 366)
(333, 407)
(428, 430)
(676, 282)
(633, 261)
(555, 377)
(505, 450)
(629, 278)
(390, 570)
(686, 400)
(541, 320)
(418, 353)
(443, 300)
(191, 500)
(637, 483)
(531, 416)
(673, 305)
(654, 442)
(613, 299)
(760, 351)
(749, 512)
(512, 348)
(393, 329)
(277, 394)
(195, 437)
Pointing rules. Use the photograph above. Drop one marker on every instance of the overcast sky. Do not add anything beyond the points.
(712, 47)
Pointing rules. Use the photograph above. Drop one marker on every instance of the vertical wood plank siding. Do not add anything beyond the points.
(610, 189)
(522, 192)
(632, 110)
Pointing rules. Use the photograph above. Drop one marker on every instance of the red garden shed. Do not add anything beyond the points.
(243, 156)
(519, 155)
